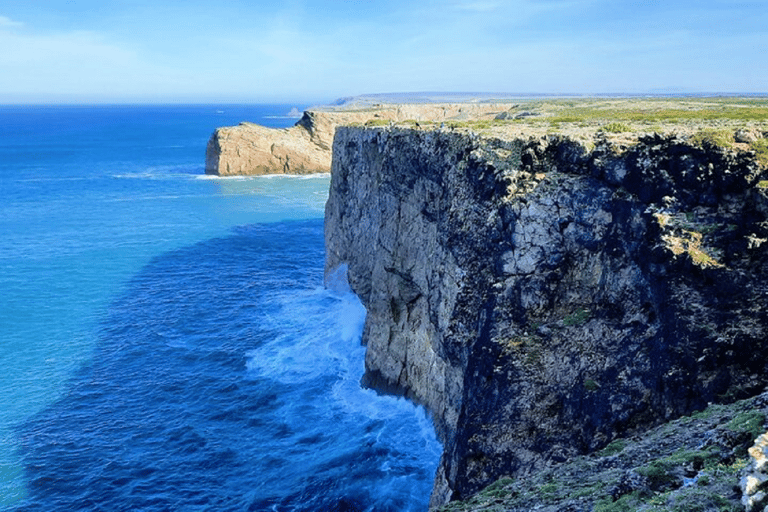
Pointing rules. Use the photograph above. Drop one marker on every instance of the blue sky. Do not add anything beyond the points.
(314, 51)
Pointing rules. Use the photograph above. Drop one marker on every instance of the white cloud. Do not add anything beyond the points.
(6, 22)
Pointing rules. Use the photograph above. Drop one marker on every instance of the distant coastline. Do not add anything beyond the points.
(474, 97)
(306, 147)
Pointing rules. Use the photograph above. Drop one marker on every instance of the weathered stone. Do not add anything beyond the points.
(754, 484)
(541, 300)
(306, 147)
(747, 136)
(253, 149)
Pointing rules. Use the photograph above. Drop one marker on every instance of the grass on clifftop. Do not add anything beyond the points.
(622, 115)
(730, 113)
(702, 120)
(760, 147)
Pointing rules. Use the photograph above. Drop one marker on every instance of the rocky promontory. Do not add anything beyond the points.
(305, 148)
(544, 296)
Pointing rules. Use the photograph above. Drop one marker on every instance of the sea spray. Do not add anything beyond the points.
(383, 451)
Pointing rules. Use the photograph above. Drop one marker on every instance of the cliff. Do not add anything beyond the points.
(542, 299)
(253, 149)
(305, 148)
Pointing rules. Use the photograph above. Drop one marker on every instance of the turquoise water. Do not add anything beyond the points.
(165, 338)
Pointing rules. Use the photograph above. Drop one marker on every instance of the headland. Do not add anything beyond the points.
(562, 283)
(305, 148)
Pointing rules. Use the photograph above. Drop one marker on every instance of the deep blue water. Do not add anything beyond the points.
(166, 341)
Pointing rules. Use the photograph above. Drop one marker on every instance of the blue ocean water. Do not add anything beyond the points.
(166, 341)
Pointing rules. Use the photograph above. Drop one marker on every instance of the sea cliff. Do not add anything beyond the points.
(542, 297)
(305, 148)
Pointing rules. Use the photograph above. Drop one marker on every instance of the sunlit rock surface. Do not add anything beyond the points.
(542, 299)
(251, 149)
(754, 484)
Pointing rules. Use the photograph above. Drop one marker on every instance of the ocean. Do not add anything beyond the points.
(166, 339)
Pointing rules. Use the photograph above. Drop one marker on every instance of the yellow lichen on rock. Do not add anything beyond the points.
(754, 484)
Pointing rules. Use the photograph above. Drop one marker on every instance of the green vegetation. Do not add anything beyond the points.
(377, 122)
(594, 489)
(591, 385)
(626, 503)
(648, 112)
(711, 120)
(613, 448)
(570, 119)
(501, 482)
(677, 473)
(702, 259)
(663, 473)
(616, 128)
(760, 147)
(549, 490)
(577, 318)
(723, 138)
(498, 486)
(478, 124)
(749, 422)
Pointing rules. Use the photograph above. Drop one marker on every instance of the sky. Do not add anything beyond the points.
(313, 51)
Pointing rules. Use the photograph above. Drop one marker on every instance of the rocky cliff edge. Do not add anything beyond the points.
(305, 148)
(543, 299)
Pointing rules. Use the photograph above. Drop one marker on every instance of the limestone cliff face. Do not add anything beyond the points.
(253, 149)
(540, 299)
(305, 148)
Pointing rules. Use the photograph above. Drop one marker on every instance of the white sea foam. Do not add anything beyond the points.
(314, 332)
(312, 176)
(215, 177)
(240, 177)
(316, 352)
(182, 173)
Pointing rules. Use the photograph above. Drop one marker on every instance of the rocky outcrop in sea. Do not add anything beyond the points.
(543, 299)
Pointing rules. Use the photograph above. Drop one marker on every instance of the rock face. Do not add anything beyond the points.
(253, 149)
(305, 148)
(541, 299)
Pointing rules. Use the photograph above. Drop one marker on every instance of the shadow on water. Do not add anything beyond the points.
(167, 416)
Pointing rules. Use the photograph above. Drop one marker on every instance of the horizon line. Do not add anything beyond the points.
(416, 95)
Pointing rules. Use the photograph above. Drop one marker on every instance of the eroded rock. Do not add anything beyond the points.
(541, 299)
(305, 148)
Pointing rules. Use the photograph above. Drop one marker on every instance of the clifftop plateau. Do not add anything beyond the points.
(306, 147)
(545, 295)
